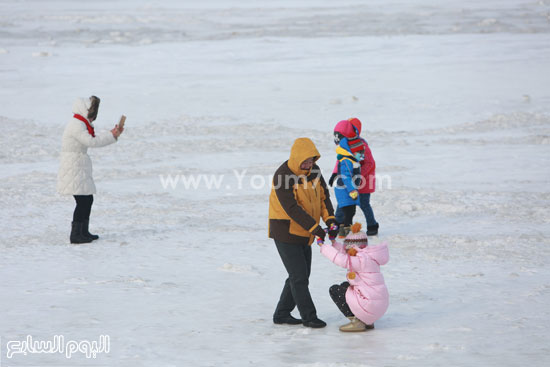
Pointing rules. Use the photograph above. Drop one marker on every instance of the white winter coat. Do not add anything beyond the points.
(75, 170)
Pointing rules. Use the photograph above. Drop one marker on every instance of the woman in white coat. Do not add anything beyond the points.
(75, 172)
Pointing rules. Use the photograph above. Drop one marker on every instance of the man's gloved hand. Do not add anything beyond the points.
(332, 178)
(319, 232)
(354, 194)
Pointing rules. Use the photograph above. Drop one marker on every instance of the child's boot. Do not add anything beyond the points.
(354, 325)
(343, 232)
(372, 230)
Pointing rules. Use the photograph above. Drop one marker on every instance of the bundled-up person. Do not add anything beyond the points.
(364, 297)
(299, 199)
(349, 154)
(368, 173)
(75, 171)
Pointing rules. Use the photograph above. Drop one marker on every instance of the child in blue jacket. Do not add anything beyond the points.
(349, 152)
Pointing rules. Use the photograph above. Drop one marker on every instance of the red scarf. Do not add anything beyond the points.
(90, 127)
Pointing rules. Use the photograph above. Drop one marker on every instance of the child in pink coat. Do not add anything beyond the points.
(364, 297)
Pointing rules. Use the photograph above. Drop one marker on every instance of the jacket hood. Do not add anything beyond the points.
(302, 149)
(379, 253)
(81, 106)
(346, 128)
(356, 124)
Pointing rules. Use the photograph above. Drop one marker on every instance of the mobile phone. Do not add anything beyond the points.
(121, 122)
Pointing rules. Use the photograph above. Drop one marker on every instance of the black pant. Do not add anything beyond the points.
(349, 213)
(83, 208)
(338, 295)
(297, 261)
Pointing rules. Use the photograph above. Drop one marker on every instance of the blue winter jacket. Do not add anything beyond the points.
(349, 177)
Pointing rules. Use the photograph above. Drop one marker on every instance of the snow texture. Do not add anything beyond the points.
(453, 96)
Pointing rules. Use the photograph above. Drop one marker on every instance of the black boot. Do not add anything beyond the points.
(287, 320)
(316, 323)
(372, 230)
(85, 231)
(76, 234)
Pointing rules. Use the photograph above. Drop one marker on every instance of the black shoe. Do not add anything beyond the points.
(372, 230)
(76, 234)
(85, 231)
(287, 320)
(315, 323)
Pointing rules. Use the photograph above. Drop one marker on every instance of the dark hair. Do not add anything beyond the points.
(94, 108)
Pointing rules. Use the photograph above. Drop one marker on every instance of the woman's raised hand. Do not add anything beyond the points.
(116, 131)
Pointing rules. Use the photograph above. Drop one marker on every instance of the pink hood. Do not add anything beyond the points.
(345, 128)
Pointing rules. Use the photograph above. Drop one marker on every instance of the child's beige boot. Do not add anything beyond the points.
(354, 325)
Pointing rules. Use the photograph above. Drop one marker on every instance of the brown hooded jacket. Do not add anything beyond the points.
(298, 198)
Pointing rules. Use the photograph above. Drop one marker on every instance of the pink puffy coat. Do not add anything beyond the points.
(367, 295)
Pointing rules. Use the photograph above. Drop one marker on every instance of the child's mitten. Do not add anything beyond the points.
(333, 231)
(352, 251)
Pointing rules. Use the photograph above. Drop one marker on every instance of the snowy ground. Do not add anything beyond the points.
(454, 99)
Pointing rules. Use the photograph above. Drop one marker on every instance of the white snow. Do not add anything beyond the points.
(454, 99)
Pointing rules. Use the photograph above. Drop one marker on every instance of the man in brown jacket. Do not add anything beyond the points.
(299, 199)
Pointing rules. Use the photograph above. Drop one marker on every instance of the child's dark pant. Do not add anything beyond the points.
(349, 212)
(365, 206)
(338, 295)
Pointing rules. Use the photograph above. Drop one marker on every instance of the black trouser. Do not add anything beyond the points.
(83, 207)
(349, 213)
(338, 295)
(297, 261)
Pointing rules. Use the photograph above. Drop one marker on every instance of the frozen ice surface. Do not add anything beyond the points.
(454, 99)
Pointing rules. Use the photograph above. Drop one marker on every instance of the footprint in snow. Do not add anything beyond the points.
(243, 269)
